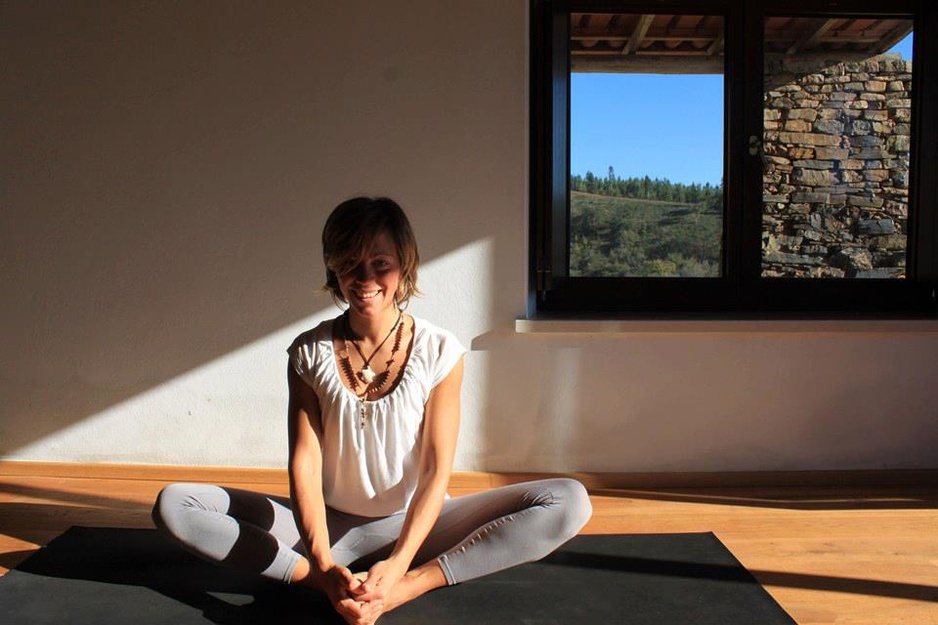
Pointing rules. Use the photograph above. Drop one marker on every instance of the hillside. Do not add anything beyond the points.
(616, 236)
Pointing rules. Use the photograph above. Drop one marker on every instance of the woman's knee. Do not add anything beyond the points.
(172, 501)
(162, 507)
(574, 503)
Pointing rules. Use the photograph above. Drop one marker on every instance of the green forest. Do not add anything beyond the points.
(644, 188)
(642, 227)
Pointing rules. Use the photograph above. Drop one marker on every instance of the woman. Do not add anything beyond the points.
(373, 419)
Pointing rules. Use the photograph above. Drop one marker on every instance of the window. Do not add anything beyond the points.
(666, 218)
(699, 157)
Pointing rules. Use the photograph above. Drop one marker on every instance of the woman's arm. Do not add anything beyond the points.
(305, 471)
(438, 449)
(309, 507)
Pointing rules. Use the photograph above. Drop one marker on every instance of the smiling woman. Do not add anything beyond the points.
(365, 234)
(373, 422)
(376, 283)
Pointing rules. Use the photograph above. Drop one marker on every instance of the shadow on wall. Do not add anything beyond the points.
(168, 170)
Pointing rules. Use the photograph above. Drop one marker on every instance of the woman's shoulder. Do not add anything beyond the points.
(309, 344)
(437, 347)
(309, 348)
(321, 332)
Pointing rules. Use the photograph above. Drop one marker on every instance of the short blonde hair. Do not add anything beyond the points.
(350, 230)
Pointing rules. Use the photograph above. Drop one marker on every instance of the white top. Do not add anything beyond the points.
(371, 469)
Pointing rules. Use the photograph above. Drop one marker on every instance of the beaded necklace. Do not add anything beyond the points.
(373, 382)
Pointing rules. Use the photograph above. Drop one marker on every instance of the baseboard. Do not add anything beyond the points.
(717, 479)
(142, 472)
(479, 479)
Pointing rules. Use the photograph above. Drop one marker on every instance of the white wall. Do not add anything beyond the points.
(166, 171)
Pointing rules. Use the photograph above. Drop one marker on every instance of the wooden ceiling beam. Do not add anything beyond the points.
(717, 46)
(647, 64)
(601, 37)
(671, 36)
(894, 36)
(638, 34)
(810, 36)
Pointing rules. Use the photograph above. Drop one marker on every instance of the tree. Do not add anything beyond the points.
(591, 182)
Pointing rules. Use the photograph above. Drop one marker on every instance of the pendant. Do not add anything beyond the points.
(367, 374)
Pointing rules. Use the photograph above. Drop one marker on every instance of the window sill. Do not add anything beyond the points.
(608, 327)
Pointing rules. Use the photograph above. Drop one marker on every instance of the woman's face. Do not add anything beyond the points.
(370, 286)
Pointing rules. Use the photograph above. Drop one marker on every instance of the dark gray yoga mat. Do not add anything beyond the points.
(105, 576)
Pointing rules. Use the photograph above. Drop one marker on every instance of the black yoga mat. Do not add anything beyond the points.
(105, 576)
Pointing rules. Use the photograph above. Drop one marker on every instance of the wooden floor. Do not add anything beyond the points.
(827, 555)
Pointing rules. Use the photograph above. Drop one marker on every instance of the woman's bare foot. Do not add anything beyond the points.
(415, 583)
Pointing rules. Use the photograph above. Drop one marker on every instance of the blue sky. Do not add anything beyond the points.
(611, 124)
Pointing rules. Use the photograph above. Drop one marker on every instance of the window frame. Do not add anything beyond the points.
(740, 290)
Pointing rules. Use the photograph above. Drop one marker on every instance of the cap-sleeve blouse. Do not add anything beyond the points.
(371, 448)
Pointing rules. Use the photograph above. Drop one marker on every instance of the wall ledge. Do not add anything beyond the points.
(605, 327)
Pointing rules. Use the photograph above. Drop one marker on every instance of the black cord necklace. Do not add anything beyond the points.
(372, 381)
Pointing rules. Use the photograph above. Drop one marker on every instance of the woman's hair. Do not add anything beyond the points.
(350, 230)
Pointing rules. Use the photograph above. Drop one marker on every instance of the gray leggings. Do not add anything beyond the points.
(474, 535)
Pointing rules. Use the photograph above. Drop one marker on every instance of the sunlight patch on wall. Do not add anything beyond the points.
(231, 411)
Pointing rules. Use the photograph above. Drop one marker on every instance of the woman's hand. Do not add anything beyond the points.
(344, 591)
(380, 581)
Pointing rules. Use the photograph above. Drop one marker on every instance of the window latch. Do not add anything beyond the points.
(543, 278)
(755, 145)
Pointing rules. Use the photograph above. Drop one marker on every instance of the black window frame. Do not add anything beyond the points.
(740, 291)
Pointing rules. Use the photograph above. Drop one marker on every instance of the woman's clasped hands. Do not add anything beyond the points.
(343, 590)
(361, 598)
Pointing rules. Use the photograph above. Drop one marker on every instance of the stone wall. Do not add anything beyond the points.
(836, 167)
